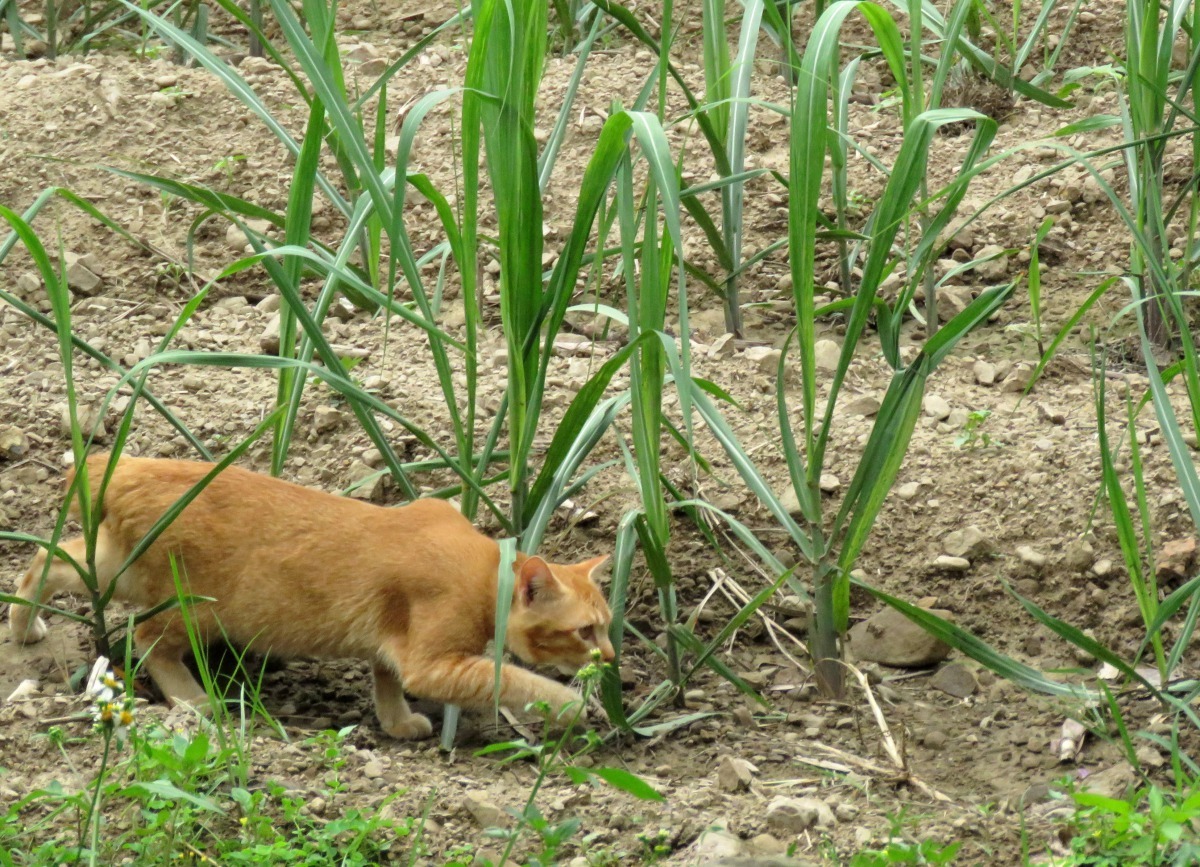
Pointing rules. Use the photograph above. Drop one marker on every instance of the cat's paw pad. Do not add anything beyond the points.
(411, 728)
(28, 631)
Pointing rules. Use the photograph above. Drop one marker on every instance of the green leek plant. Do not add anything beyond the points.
(1021, 50)
(830, 547)
(84, 26)
(982, 61)
(722, 118)
(1155, 98)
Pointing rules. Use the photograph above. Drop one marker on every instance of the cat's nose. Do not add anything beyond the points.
(606, 651)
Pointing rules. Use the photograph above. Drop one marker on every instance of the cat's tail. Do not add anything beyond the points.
(97, 466)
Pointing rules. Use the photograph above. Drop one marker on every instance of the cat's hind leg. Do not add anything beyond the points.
(162, 642)
(392, 708)
(23, 620)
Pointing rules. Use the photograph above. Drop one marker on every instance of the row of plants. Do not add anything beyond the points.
(627, 234)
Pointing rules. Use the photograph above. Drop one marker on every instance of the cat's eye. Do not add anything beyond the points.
(588, 634)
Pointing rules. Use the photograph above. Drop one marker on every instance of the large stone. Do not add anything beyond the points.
(985, 372)
(1175, 559)
(865, 404)
(764, 358)
(13, 442)
(734, 774)
(827, 353)
(722, 347)
(968, 542)
(890, 638)
(955, 680)
(794, 815)
(483, 811)
(327, 418)
(370, 482)
(716, 844)
(84, 273)
(935, 406)
(996, 269)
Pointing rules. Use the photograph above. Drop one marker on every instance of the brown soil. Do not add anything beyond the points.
(968, 762)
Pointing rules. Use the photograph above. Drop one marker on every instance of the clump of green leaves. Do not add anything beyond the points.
(552, 756)
(903, 848)
(1151, 826)
(973, 436)
(656, 845)
(161, 795)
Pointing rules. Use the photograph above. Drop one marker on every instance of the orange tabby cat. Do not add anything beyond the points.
(300, 572)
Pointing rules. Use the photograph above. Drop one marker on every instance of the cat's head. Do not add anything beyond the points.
(559, 616)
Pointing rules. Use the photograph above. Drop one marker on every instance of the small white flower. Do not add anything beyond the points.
(113, 709)
(102, 684)
(99, 670)
(123, 719)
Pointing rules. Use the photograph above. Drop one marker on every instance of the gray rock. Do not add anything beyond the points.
(1079, 555)
(767, 844)
(985, 372)
(829, 483)
(955, 680)
(908, 490)
(946, 563)
(13, 442)
(722, 347)
(890, 638)
(371, 490)
(997, 268)
(734, 774)
(83, 273)
(935, 739)
(764, 358)
(935, 406)
(958, 417)
(572, 344)
(789, 500)
(327, 418)
(793, 815)
(865, 404)
(951, 301)
(268, 341)
(827, 354)
(483, 811)
(1031, 557)
(1018, 379)
(968, 542)
(715, 845)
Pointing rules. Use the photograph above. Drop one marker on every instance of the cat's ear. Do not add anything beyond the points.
(535, 581)
(590, 566)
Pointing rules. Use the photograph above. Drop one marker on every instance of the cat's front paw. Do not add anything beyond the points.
(26, 630)
(413, 727)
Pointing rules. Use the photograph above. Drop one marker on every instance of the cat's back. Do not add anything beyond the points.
(430, 537)
(235, 501)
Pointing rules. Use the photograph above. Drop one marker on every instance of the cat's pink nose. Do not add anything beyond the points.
(607, 653)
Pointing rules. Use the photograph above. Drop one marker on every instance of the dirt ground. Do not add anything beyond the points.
(969, 763)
